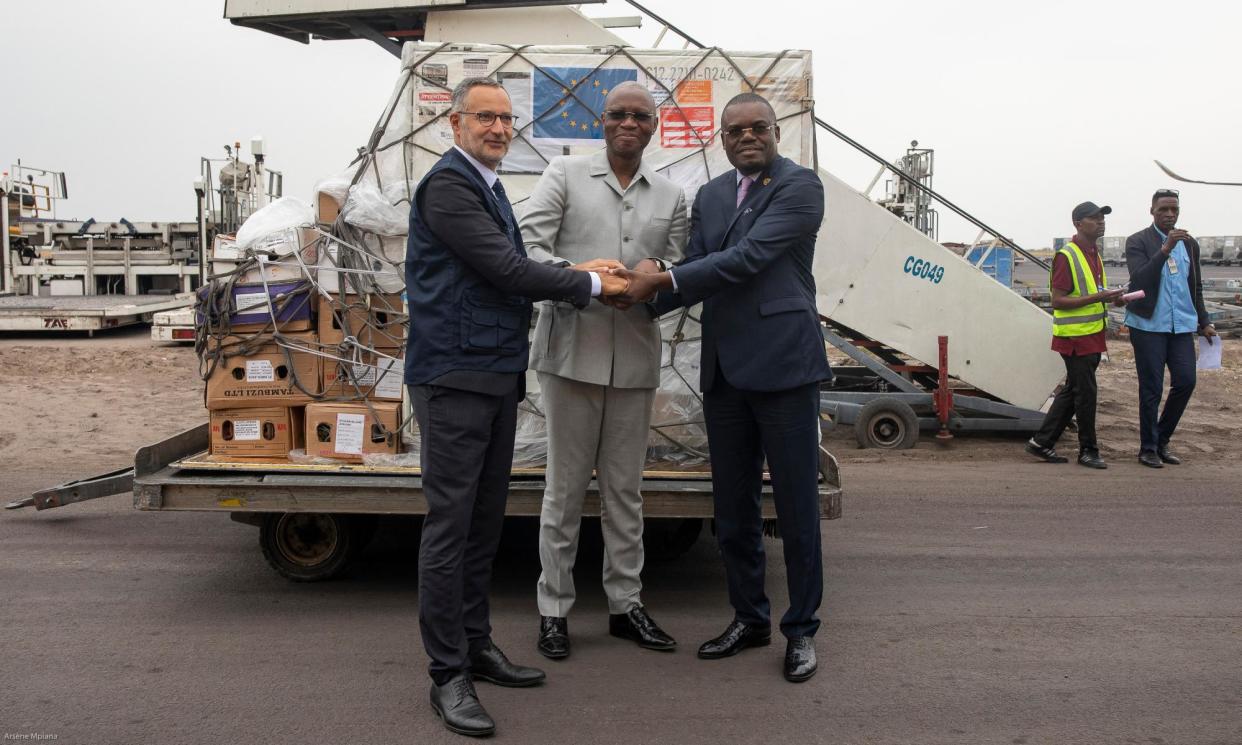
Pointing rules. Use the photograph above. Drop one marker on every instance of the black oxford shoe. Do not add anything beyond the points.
(1091, 459)
(1150, 459)
(736, 637)
(553, 637)
(490, 664)
(458, 707)
(800, 661)
(1167, 457)
(637, 626)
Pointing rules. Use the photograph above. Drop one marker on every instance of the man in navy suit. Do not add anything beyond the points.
(752, 241)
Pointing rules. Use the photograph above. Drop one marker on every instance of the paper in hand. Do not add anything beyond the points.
(1209, 353)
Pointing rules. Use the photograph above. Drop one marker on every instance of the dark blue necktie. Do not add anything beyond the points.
(506, 210)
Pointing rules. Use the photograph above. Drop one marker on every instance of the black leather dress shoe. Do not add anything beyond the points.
(553, 637)
(490, 664)
(800, 663)
(1044, 453)
(458, 707)
(637, 626)
(1167, 457)
(736, 637)
(1091, 459)
(1150, 459)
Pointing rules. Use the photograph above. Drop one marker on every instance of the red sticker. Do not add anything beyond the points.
(689, 126)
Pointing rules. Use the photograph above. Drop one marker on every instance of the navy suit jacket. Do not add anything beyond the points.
(750, 266)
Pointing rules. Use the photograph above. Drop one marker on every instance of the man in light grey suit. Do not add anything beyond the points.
(598, 368)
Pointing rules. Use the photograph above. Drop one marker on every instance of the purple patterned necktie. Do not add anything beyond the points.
(743, 188)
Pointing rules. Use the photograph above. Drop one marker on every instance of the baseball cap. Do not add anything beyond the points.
(1087, 209)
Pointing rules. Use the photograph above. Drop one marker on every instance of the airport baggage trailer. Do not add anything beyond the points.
(314, 518)
(89, 313)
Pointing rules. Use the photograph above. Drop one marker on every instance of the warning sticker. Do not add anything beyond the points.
(246, 430)
(260, 371)
(689, 126)
(694, 91)
(350, 429)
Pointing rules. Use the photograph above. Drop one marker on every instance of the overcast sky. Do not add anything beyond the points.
(1031, 107)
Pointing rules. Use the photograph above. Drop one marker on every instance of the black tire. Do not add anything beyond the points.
(886, 424)
(308, 546)
(667, 539)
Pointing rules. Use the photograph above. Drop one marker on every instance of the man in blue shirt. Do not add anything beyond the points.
(1164, 262)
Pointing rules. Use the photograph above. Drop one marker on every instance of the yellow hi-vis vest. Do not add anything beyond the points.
(1089, 319)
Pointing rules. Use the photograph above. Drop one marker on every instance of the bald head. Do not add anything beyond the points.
(628, 89)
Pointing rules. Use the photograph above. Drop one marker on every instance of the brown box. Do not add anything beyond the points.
(259, 373)
(348, 431)
(375, 377)
(326, 208)
(381, 326)
(268, 433)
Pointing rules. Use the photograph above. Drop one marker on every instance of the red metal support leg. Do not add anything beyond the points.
(943, 397)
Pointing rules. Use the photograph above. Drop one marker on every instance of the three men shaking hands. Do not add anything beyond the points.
(471, 271)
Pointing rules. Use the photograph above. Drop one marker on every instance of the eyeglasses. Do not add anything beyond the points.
(488, 118)
(1165, 193)
(759, 129)
(639, 117)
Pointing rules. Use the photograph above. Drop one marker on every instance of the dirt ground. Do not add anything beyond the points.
(86, 404)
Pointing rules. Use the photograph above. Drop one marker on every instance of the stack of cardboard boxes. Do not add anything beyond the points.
(301, 368)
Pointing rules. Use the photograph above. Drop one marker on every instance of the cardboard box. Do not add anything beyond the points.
(224, 248)
(259, 373)
(381, 326)
(377, 376)
(384, 263)
(326, 208)
(293, 302)
(267, 433)
(349, 431)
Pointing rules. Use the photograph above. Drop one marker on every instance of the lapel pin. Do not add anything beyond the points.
(747, 211)
(767, 181)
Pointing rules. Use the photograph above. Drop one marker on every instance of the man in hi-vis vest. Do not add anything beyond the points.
(1079, 317)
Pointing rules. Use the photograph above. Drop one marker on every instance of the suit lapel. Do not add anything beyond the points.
(758, 194)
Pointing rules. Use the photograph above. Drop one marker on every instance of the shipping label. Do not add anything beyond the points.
(249, 302)
(246, 430)
(260, 371)
(350, 430)
(390, 378)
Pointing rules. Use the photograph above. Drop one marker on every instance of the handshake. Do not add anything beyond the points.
(622, 287)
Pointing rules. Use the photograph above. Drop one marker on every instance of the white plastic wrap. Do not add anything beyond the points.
(382, 213)
(282, 215)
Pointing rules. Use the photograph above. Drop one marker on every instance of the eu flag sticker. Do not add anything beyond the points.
(569, 101)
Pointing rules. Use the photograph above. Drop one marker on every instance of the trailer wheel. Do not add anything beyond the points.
(886, 424)
(307, 546)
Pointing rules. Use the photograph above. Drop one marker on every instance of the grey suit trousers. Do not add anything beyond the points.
(602, 428)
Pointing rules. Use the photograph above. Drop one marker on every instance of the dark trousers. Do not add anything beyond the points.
(467, 454)
(743, 427)
(1153, 351)
(1075, 399)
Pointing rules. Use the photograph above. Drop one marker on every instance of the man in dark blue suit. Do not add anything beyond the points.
(752, 241)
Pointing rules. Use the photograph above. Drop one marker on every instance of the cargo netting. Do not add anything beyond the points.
(345, 270)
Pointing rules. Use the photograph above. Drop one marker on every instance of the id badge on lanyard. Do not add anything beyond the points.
(1172, 265)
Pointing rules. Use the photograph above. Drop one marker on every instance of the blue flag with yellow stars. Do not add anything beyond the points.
(566, 118)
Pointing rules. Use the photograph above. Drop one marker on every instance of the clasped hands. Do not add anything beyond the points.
(622, 287)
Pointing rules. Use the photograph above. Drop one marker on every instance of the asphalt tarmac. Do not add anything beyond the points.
(1009, 602)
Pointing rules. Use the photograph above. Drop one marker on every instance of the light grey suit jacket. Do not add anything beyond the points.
(579, 212)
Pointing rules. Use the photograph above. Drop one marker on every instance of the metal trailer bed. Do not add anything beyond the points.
(315, 518)
(89, 313)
